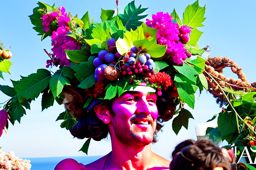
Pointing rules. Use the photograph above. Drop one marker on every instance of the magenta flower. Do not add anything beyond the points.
(3, 121)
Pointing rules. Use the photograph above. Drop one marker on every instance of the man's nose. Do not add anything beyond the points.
(142, 107)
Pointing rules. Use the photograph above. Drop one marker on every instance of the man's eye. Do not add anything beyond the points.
(151, 100)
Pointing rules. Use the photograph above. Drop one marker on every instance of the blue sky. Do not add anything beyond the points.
(229, 31)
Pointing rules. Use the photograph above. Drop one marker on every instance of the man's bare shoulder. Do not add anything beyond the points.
(160, 162)
(96, 165)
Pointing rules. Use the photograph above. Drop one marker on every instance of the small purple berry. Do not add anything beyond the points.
(131, 60)
(111, 42)
(109, 57)
(133, 49)
(97, 62)
(101, 54)
(142, 58)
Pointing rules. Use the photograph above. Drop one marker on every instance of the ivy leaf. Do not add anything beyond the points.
(5, 66)
(87, 82)
(30, 87)
(176, 17)
(181, 120)
(76, 56)
(132, 16)
(7, 90)
(57, 83)
(111, 92)
(47, 99)
(106, 14)
(85, 146)
(227, 129)
(193, 15)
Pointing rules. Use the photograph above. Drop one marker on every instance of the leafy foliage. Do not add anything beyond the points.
(181, 120)
(132, 16)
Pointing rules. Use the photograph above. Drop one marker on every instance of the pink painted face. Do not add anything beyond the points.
(135, 114)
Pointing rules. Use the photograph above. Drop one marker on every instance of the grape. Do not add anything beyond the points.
(111, 42)
(99, 72)
(133, 49)
(147, 56)
(133, 55)
(150, 63)
(131, 60)
(109, 57)
(117, 55)
(142, 58)
(97, 62)
(101, 54)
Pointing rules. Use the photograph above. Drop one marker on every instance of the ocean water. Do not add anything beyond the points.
(48, 163)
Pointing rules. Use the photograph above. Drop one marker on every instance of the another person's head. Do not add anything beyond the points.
(199, 155)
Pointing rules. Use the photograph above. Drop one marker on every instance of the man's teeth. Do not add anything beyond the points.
(142, 122)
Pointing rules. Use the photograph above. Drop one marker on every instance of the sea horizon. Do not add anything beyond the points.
(48, 163)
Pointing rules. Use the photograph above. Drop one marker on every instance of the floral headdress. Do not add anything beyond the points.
(99, 61)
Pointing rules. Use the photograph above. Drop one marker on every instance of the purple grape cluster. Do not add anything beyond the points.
(105, 58)
(137, 64)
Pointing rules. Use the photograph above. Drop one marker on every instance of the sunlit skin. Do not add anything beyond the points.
(132, 123)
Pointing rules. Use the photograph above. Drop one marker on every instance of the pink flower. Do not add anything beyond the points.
(3, 120)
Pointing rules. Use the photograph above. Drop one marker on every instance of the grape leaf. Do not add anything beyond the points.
(193, 15)
(132, 16)
(187, 71)
(185, 96)
(181, 120)
(83, 70)
(86, 20)
(160, 65)
(5, 66)
(57, 83)
(194, 36)
(30, 87)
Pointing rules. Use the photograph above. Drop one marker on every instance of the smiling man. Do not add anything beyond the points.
(132, 121)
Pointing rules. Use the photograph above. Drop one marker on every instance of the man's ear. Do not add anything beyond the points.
(103, 113)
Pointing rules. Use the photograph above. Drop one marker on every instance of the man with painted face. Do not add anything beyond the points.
(131, 120)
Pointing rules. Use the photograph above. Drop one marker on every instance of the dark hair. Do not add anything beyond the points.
(199, 155)
(88, 125)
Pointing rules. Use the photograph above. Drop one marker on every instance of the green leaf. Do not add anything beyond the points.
(203, 81)
(5, 66)
(227, 129)
(30, 87)
(15, 110)
(181, 120)
(193, 15)
(159, 65)
(69, 121)
(57, 83)
(86, 20)
(85, 146)
(151, 47)
(111, 92)
(76, 56)
(184, 95)
(176, 17)
(106, 14)
(194, 50)
(101, 33)
(87, 82)
(198, 64)
(83, 70)
(47, 99)
(1, 75)
(132, 16)
(194, 37)
(7, 90)
(187, 71)
(61, 116)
